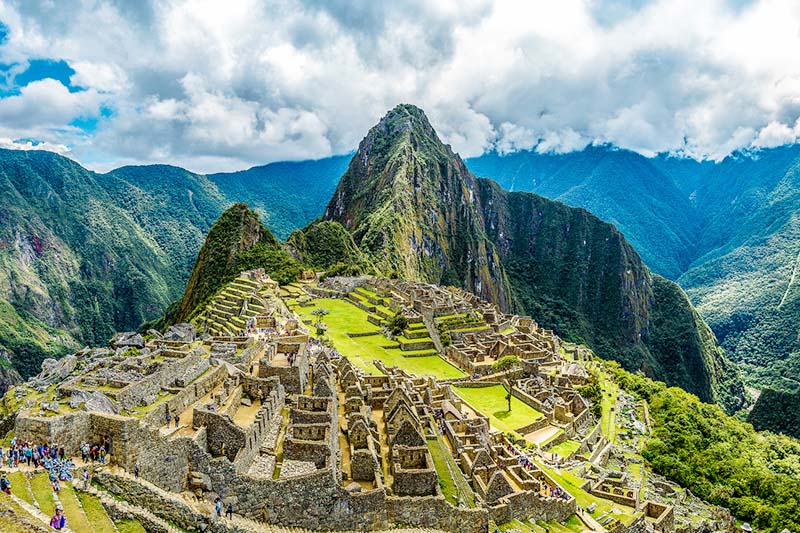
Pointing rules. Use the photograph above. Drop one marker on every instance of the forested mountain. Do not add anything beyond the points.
(619, 186)
(84, 255)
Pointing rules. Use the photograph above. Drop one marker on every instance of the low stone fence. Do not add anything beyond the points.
(536, 425)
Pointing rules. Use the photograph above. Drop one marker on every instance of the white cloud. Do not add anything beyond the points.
(10, 144)
(777, 134)
(221, 86)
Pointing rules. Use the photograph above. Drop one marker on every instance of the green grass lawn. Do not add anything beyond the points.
(76, 520)
(95, 513)
(346, 318)
(43, 492)
(572, 484)
(446, 482)
(19, 486)
(491, 401)
(566, 448)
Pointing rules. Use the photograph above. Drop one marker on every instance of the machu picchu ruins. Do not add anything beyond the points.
(353, 404)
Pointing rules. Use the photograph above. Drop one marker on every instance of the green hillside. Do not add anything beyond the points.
(83, 255)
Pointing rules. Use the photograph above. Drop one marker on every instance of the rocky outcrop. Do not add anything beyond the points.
(127, 340)
(92, 401)
(54, 371)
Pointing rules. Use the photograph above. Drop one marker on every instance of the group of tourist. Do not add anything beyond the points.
(523, 461)
(27, 453)
(93, 453)
(218, 508)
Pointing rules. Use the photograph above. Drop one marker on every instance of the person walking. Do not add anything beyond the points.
(229, 511)
(177, 420)
(218, 507)
(85, 479)
(136, 469)
(59, 521)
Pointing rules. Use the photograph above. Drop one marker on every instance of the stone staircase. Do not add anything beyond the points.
(123, 508)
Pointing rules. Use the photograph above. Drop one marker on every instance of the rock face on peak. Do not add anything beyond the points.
(414, 208)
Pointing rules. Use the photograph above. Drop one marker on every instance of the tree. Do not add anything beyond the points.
(397, 324)
(319, 323)
(507, 362)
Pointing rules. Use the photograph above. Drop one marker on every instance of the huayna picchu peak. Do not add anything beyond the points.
(412, 205)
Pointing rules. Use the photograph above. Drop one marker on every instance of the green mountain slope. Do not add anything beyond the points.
(619, 186)
(414, 208)
(237, 241)
(411, 205)
(728, 232)
(71, 258)
(746, 284)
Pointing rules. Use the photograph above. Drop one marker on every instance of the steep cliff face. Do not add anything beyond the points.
(412, 205)
(237, 241)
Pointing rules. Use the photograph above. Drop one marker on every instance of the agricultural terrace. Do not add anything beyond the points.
(344, 317)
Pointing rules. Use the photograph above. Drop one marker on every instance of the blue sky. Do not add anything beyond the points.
(215, 87)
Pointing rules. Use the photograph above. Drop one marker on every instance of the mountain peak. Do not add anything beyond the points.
(412, 203)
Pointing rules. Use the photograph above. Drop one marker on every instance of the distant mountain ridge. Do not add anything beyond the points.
(727, 232)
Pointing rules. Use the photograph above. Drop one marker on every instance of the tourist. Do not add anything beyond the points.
(56, 486)
(5, 484)
(85, 479)
(136, 469)
(218, 506)
(229, 511)
(168, 419)
(177, 420)
(59, 521)
(102, 455)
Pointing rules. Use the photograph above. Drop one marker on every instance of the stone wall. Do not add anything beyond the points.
(530, 505)
(141, 392)
(259, 428)
(68, 430)
(436, 513)
(223, 435)
(186, 397)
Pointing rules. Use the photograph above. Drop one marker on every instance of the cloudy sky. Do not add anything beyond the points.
(224, 85)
